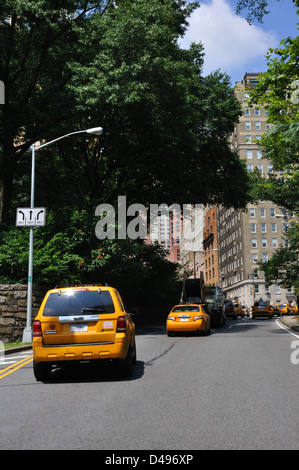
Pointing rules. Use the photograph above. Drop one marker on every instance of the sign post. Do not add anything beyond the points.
(32, 217)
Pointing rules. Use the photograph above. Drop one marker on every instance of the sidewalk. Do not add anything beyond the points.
(291, 321)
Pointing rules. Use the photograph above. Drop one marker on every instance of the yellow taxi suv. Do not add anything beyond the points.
(188, 318)
(262, 308)
(82, 323)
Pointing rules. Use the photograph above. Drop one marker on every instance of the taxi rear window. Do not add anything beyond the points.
(186, 309)
(77, 303)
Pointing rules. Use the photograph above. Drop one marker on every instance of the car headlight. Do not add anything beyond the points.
(198, 317)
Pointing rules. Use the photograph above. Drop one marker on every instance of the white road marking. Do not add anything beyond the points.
(286, 329)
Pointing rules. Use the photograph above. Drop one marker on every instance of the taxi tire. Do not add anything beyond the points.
(41, 371)
(125, 366)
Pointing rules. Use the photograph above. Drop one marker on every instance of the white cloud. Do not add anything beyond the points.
(230, 43)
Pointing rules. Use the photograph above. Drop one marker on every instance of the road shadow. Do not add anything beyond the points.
(157, 329)
(90, 372)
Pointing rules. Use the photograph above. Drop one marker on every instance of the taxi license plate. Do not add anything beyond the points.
(79, 327)
(184, 319)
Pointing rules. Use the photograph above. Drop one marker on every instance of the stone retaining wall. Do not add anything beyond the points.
(13, 310)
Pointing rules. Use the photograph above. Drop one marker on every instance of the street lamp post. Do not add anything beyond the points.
(27, 333)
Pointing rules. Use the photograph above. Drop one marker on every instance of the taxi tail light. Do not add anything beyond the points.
(37, 329)
(198, 317)
(121, 324)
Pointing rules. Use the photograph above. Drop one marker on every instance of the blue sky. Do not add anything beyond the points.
(231, 44)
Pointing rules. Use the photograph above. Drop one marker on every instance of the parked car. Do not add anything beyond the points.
(284, 309)
(262, 308)
(84, 323)
(230, 310)
(238, 309)
(188, 318)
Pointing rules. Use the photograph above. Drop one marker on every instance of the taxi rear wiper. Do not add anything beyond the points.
(92, 309)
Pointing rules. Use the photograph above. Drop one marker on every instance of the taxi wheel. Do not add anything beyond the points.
(42, 371)
(125, 366)
(134, 354)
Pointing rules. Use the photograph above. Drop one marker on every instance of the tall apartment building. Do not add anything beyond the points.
(246, 237)
(210, 246)
(191, 246)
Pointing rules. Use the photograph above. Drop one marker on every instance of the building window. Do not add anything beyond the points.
(247, 125)
(263, 228)
(262, 212)
(248, 139)
(260, 168)
(272, 212)
(254, 257)
(264, 242)
(249, 154)
(273, 228)
(259, 154)
(247, 112)
(252, 212)
(250, 168)
(274, 242)
(277, 289)
(270, 169)
(253, 228)
(265, 257)
(258, 126)
(253, 243)
(257, 111)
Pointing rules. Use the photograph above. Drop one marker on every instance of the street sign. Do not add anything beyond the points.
(30, 217)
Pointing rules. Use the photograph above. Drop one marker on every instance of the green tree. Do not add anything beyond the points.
(257, 9)
(165, 126)
(37, 41)
(278, 91)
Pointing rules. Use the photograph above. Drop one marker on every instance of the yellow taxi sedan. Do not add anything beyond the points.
(188, 318)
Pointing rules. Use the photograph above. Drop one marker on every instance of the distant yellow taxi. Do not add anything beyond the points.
(284, 309)
(238, 309)
(188, 318)
(79, 324)
(262, 309)
(293, 310)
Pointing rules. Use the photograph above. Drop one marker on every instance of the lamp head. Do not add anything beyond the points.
(95, 130)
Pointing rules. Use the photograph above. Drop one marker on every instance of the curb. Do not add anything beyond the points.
(17, 349)
(293, 327)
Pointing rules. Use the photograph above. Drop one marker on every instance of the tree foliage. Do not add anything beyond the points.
(257, 9)
(278, 91)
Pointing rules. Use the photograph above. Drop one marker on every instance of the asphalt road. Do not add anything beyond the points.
(236, 389)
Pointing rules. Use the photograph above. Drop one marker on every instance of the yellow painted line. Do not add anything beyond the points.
(16, 366)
